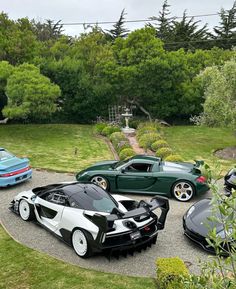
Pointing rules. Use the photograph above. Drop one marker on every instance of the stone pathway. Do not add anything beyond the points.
(138, 150)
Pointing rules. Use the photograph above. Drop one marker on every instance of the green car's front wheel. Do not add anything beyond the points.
(100, 181)
(183, 191)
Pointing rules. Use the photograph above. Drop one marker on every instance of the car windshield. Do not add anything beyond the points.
(93, 199)
(4, 155)
(120, 163)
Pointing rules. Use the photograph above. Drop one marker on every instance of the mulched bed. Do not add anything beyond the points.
(228, 153)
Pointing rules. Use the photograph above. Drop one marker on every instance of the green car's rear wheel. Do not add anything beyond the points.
(183, 191)
(100, 181)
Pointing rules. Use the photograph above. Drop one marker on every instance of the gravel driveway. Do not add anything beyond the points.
(170, 242)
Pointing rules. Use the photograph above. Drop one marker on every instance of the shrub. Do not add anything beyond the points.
(163, 152)
(108, 130)
(126, 153)
(134, 123)
(116, 137)
(99, 127)
(159, 144)
(169, 272)
(119, 141)
(144, 130)
(146, 140)
(123, 145)
(174, 158)
(147, 127)
(149, 124)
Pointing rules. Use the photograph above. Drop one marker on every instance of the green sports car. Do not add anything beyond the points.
(144, 174)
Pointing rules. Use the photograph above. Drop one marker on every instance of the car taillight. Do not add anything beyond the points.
(5, 175)
(147, 229)
(15, 172)
(201, 179)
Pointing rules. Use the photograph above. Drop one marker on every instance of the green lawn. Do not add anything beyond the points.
(194, 142)
(53, 146)
(23, 268)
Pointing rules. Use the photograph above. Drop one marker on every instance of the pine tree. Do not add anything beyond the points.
(187, 34)
(163, 24)
(226, 31)
(118, 28)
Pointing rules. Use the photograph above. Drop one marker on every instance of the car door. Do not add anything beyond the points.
(136, 176)
(49, 211)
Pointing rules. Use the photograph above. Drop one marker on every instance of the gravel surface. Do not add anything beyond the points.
(170, 242)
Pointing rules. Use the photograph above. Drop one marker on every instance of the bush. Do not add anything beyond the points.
(99, 127)
(119, 141)
(149, 124)
(126, 153)
(145, 130)
(169, 273)
(159, 144)
(146, 140)
(163, 152)
(116, 137)
(123, 145)
(147, 127)
(134, 123)
(174, 158)
(108, 130)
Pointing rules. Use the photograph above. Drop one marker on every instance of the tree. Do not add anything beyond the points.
(5, 71)
(85, 94)
(158, 82)
(48, 30)
(124, 74)
(187, 34)
(163, 25)
(30, 94)
(118, 28)
(18, 43)
(219, 86)
(226, 32)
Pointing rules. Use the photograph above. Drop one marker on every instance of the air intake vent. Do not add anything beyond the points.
(130, 225)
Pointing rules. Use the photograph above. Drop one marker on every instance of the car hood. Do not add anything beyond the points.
(198, 219)
(13, 163)
(177, 167)
(101, 166)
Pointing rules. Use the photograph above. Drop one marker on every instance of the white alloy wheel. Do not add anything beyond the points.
(100, 181)
(183, 191)
(80, 243)
(24, 210)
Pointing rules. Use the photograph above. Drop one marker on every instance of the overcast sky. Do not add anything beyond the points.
(108, 10)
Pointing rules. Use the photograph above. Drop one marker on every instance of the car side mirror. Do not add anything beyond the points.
(123, 171)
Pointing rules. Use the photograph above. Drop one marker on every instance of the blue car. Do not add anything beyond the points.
(13, 170)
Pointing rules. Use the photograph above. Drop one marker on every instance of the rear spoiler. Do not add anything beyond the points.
(105, 223)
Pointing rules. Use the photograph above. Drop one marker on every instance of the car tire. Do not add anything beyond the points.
(101, 182)
(26, 210)
(183, 191)
(80, 242)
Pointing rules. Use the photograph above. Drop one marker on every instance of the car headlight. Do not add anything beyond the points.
(190, 211)
(82, 174)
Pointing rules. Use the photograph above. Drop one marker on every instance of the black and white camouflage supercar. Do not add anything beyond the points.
(90, 219)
